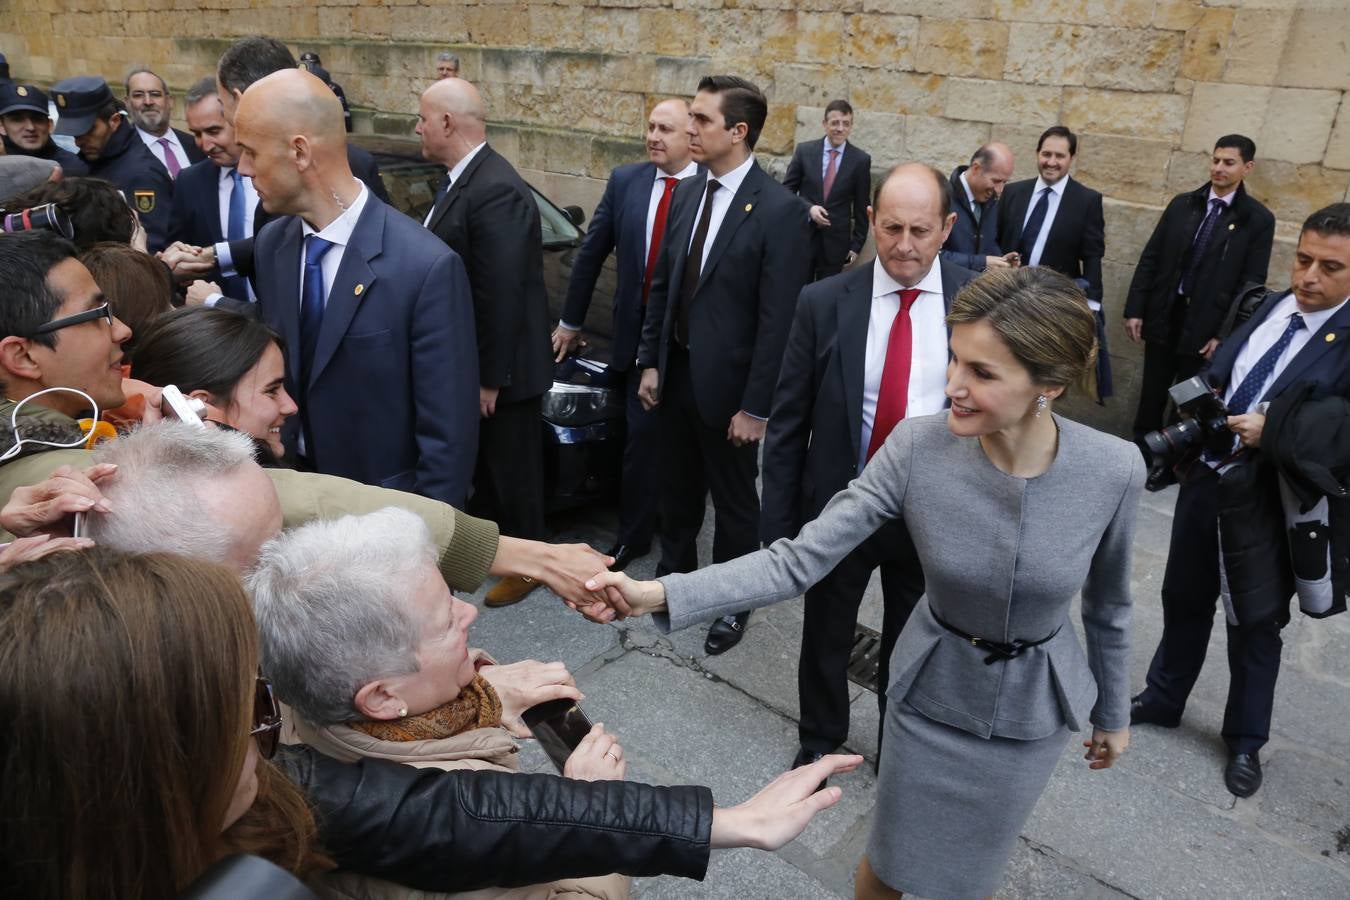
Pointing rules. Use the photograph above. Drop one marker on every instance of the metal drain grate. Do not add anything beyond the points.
(864, 658)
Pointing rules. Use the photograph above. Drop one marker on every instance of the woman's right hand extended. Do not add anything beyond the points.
(782, 810)
(598, 757)
(39, 545)
(624, 597)
(50, 505)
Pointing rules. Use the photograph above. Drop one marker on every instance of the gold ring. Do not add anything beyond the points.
(611, 755)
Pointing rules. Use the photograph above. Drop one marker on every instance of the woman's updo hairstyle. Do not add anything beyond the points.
(1042, 317)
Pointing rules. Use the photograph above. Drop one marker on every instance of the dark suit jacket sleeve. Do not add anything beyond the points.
(862, 186)
(1094, 247)
(1256, 265)
(789, 431)
(1136, 302)
(649, 346)
(795, 171)
(590, 257)
(241, 257)
(1005, 219)
(444, 368)
(243, 307)
(973, 261)
(784, 267)
(500, 243)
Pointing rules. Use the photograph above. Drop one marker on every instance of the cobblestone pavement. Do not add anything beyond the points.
(1160, 825)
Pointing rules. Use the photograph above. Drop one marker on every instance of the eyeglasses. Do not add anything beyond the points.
(266, 719)
(144, 95)
(89, 315)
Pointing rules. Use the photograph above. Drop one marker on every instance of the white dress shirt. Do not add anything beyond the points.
(658, 190)
(1265, 336)
(225, 189)
(457, 171)
(1056, 194)
(928, 348)
(157, 148)
(729, 183)
(970, 195)
(339, 233)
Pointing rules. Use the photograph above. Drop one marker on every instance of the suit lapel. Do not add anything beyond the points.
(852, 316)
(1017, 213)
(286, 299)
(354, 280)
(742, 207)
(1328, 337)
(1066, 218)
(457, 188)
(636, 201)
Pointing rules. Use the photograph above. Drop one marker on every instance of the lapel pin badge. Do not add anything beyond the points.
(1232, 226)
(749, 206)
(1329, 338)
(359, 289)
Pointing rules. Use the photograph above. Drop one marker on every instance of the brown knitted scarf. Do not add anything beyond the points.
(477, 706)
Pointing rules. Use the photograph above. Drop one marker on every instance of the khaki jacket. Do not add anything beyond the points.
(467, 544)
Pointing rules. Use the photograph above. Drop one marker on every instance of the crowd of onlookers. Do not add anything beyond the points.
(258, 425)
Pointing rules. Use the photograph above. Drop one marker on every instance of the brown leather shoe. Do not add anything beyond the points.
(508, 590)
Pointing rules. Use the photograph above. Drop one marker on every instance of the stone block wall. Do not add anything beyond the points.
(1148, 84)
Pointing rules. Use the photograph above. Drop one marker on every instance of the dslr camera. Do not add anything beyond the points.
(48, 216)
(1203, 425)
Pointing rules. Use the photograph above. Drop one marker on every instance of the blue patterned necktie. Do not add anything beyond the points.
(1201, 243)
(1256, 379)
(311, 303)
(1033, 227)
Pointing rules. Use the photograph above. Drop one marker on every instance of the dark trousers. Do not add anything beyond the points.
(1190, 593)
(696, 458)
(639, 489)
(824, 264)
(827, 632)
(1164, 366)
(508, 481)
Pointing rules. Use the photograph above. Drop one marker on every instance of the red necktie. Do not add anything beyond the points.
(831, 170)
(658, 231)
(894, 393)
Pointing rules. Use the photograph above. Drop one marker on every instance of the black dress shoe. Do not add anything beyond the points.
(624, 554)
(1144, 713)
(805, 757)
(1242, 775)
(725, 633)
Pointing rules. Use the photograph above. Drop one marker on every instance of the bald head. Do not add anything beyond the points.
(450, 120)
(990, 169)
(911, 217)
(668, 135)
(293, 142)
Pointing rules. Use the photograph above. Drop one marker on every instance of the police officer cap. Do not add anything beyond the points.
(310, 56)
(16, 97)
(78, 101)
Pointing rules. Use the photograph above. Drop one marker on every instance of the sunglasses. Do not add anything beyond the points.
(89, 315)
(266, 719)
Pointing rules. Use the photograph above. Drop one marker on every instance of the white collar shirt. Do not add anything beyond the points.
(654, 200)
(970, 195)
(928, 349)
(175, 145)
(729, 183)
(1265, 336)
(225, 189)
(339, 233)
(1056, 194)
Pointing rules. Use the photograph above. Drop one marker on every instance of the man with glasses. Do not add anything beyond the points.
(151, 106)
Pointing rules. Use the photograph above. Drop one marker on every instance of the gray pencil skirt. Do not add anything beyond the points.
(950, 805)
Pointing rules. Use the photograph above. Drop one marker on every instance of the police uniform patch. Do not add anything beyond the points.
(145, 201)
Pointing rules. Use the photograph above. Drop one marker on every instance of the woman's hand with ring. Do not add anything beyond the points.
(599, 757)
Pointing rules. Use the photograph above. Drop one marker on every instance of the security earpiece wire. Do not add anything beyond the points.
(19, 441)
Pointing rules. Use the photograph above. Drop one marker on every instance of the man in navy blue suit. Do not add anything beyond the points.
(630, 223)
(213, 202)
(1301, 336)
(376, 313)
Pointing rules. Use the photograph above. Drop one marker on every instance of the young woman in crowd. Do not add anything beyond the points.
(231, 362)
(1013, 511)
(136, 754)
(137, 285)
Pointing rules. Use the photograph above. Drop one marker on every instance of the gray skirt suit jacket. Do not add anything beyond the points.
(1003, 557)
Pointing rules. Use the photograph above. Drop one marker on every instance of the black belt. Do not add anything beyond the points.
(996, 650)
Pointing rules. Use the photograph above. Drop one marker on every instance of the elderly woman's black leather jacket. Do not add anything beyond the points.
(459, 830)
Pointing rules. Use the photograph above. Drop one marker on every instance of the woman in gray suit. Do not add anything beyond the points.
(1013, 511)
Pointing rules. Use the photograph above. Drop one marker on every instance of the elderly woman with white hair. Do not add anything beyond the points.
(364, 641)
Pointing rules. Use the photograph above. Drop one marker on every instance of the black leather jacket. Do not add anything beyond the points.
(459, 830)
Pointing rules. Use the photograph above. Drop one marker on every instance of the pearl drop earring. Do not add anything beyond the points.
(402, 711)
